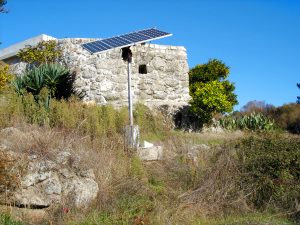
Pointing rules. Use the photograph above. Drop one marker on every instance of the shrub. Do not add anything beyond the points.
(270, 171)
(5, 75)
(288, 117)
(45, 52)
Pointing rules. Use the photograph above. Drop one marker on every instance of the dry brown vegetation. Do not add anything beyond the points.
(198, 182)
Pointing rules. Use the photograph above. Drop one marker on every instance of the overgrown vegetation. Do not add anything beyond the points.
(220, 185)
(6, 219)
(5, 75)
(286, 117)
(298, 97)
(73, 114)
(253, 122)
(56, 78)
(270, 172)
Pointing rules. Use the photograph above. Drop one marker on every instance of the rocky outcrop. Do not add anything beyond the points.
(36, 181)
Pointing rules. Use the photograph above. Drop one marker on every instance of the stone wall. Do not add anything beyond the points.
(103, 77)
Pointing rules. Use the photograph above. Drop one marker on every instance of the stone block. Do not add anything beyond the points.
(150, 153)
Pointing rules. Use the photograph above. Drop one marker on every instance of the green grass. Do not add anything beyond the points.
(6, 219)
(247, 219)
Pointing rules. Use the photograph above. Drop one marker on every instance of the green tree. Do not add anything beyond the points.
(2, 3)
(210, 91)
(298, 98)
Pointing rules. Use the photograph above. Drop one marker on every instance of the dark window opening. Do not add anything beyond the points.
(142, 69)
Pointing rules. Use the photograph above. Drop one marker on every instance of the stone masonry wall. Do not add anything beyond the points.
(103, 77)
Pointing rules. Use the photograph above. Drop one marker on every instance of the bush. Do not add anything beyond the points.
(288, 117)
(45, 52)
(270, 171)
(5, 75)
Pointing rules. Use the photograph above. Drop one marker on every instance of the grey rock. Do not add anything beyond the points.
(3, 147)
(52, 185)
(81, 191)
(63, 157)
(150, 153)
(11, 131)
(33, 178)
(89, 173)
(160, 95)
(31, 197)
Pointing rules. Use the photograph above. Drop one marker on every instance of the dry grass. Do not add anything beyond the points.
(196, 179)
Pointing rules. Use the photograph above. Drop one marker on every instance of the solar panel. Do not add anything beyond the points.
(125, 40)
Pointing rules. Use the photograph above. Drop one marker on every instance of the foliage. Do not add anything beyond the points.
(298, 98)
(5, 75)
(270, 171)
(213, 70)
(288, 117)
(153, 125)
(2, 3)
(247, 219)
(72, 114)
(45, 52)
(254, 122)
(210, 91)
(209, 98)
(55, 77)
(6, 219)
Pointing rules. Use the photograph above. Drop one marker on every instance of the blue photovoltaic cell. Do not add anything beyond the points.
(89, 48)
(125, 40)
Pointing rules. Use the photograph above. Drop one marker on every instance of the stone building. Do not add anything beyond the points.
(159, 72)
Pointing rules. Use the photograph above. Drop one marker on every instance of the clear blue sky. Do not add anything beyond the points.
(259, 40)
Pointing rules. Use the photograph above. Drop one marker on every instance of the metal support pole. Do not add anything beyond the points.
(130, 103)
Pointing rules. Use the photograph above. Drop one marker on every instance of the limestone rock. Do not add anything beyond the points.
(32, 198)
(44, 182)
(81, 191)
(150, 153)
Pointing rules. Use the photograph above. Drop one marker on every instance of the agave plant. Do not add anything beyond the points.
(34, 80)
(54, 76)
(18, 85)
(248, 122)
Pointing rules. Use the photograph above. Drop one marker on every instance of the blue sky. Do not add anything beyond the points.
(259, 40)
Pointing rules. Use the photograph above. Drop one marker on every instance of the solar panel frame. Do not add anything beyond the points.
(124, 40)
